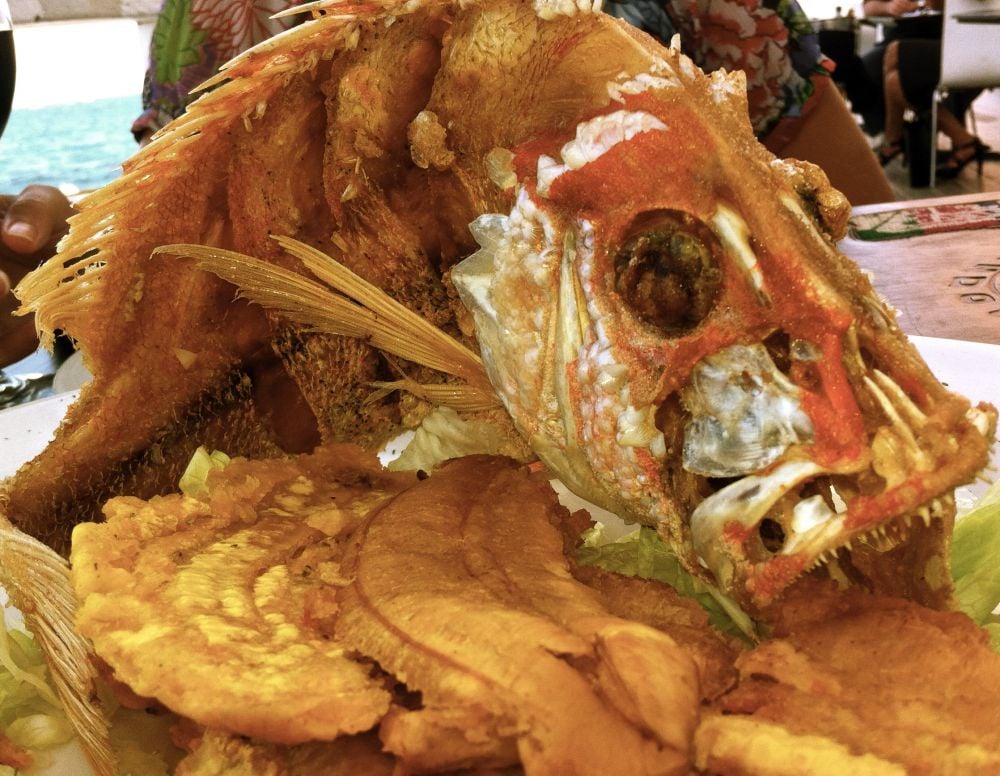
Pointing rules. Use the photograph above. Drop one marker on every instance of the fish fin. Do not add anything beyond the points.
(38, 582)
(461, 398)
(360, 309)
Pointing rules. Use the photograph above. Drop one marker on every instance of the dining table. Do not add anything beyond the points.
(936, 261)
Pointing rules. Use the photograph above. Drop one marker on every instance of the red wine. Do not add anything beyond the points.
(7, 73)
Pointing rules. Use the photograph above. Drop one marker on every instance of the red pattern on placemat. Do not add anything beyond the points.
(930, 219)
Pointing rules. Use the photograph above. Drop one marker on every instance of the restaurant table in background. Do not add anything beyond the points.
(937, 261)
(925, 23)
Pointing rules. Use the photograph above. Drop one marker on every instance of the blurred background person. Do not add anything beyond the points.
(911, 73)
(33, 222)
(868, 97)
(191, 40)
(795, 108)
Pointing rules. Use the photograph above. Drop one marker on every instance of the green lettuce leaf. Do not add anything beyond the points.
(192, 482)
(444, 434)
(30, 711)
(975, 563)
(643, 554)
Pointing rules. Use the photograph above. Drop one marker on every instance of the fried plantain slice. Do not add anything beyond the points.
(660, 606)
(461, 590)
(860, 683)
(220, 754)
(221, 606)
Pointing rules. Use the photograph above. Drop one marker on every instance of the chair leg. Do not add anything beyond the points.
(934, 130)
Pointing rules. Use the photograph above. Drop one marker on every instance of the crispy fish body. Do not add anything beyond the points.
(310, 137)
(221, 607)
(859, 683)
(700, 357)
(460, 589)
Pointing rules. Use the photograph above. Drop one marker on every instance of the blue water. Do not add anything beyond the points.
(80, 146)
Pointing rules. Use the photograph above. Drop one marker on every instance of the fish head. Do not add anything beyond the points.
(670, 325)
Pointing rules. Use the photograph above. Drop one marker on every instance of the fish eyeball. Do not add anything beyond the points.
(667, 270)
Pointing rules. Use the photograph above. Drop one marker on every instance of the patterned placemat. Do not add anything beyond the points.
(931, 219)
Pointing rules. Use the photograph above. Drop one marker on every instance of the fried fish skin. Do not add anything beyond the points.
(460, 589)
(221, 607)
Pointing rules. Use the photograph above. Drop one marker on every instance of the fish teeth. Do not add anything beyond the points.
(899, 424)
(903, 403)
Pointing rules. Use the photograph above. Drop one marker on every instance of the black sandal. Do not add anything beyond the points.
(888, 151)
(958, 160)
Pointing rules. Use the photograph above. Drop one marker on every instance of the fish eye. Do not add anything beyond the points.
(667, 270)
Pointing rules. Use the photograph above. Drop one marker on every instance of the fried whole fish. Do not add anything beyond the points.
(699, 356)
(658, 301)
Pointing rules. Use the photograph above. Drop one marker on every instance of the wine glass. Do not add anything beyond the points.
(8, 70)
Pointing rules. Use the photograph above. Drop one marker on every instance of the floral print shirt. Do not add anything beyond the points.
(771, 41)
(191, 40)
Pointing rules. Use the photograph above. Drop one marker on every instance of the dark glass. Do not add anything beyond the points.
(7, 74)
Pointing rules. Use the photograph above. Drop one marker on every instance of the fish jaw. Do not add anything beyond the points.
(682, 344)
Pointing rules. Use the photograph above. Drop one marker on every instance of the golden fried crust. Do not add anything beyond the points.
(461, 590)
(660, 606)
(861, 674)
(221, 607)
(220, 754)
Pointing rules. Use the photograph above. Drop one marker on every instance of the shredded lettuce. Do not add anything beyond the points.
(192, 482)
(30, 712)
(975, 563)
(444, 434)
(643, 554)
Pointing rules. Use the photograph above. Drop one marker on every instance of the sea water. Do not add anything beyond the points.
(77, 147)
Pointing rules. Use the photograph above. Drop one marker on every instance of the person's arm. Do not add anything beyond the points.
(889, 7)
(33, 222)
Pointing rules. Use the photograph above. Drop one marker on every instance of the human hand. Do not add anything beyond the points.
(33, 222)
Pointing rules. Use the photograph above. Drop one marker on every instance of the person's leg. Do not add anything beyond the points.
(964, 145)
(830, 137)
(873, 61)
(895, 104)
(953, 128)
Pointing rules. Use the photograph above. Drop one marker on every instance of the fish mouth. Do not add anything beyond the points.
(765, 517)
(759, 534)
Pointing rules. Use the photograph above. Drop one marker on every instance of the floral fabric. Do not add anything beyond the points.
(191, 40)
(771, 41)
